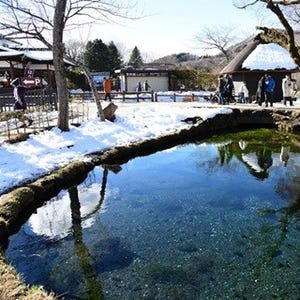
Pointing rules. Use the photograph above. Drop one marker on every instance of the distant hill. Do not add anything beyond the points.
(207, 63)
(176, 58)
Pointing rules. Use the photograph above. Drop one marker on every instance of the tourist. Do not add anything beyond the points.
(229, 87)
(107, 88)
(260, 92)
(19, 94)
(221, 89)
(243, 93)
(270, 86)
(287, 89)
(139, 87)
(146, 86)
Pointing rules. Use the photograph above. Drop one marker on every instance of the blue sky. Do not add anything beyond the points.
(170, 26)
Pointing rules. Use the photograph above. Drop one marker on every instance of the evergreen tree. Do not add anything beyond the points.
(96, 56)
(135, 59)
(115, 57)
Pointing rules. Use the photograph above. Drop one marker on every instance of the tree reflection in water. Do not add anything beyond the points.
(93, 286)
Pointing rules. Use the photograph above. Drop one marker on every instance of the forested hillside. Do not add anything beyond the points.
(213, 63)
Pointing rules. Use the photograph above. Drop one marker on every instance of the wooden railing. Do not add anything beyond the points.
(140, 96)
(40, 98)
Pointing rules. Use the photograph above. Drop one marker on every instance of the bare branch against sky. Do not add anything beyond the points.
(19, 22)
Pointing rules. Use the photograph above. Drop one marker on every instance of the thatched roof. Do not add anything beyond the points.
(237, 64)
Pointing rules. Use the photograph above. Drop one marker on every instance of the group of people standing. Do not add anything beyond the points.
(265, 90)
(266, 86)
(107, 87)
(264, 93)
(226, 88)
(143, 87)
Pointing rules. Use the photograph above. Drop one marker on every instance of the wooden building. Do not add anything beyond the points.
(34, 63)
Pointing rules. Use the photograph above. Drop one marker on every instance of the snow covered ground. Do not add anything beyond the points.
(48, 150)
(135, 121)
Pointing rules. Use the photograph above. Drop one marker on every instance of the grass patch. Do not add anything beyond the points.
(13, 288)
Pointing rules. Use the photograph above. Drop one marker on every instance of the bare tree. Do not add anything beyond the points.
(217, 38)
(282, 9)
(46, 21)
(75, 49)
(59, 65)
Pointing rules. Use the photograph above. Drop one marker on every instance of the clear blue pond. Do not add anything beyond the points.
(213, 220)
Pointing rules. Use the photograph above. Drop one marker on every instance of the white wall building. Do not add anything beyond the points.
(156, 78)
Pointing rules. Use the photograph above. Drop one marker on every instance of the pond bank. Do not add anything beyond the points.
(20, 203)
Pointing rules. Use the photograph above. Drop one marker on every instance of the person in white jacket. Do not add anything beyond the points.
(243, 93)
(287, 89)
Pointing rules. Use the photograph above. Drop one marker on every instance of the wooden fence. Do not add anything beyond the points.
(140, 96)
(42, 112)
(34, 98)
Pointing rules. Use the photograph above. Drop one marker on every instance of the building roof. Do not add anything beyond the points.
(38, 56)
(259, 56)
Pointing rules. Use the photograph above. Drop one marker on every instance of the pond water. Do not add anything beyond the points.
(213, 220)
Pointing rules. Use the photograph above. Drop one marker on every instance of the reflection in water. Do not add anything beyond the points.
(264, 158)
(284, 154)
(225, 155)
(93, 286)
(192, 222)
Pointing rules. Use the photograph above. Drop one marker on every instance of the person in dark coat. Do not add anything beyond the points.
(221, 89)
(139, 87)
(146, 86)
(261, 91)
(19, 94)
(228, 93)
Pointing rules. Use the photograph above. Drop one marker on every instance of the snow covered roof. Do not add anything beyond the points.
(42, 56)
(6, 52)
(269, 57)
(259, 56)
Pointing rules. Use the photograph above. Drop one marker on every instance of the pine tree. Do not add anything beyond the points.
(115, 57)
(97, 56)
(136, 59)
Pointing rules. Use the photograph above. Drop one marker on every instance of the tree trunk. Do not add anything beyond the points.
(59, 65)
(95, 93)
(273, 35)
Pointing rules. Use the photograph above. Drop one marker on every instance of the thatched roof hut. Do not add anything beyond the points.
(256, 59)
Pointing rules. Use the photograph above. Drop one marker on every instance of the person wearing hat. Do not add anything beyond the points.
(19, 94)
